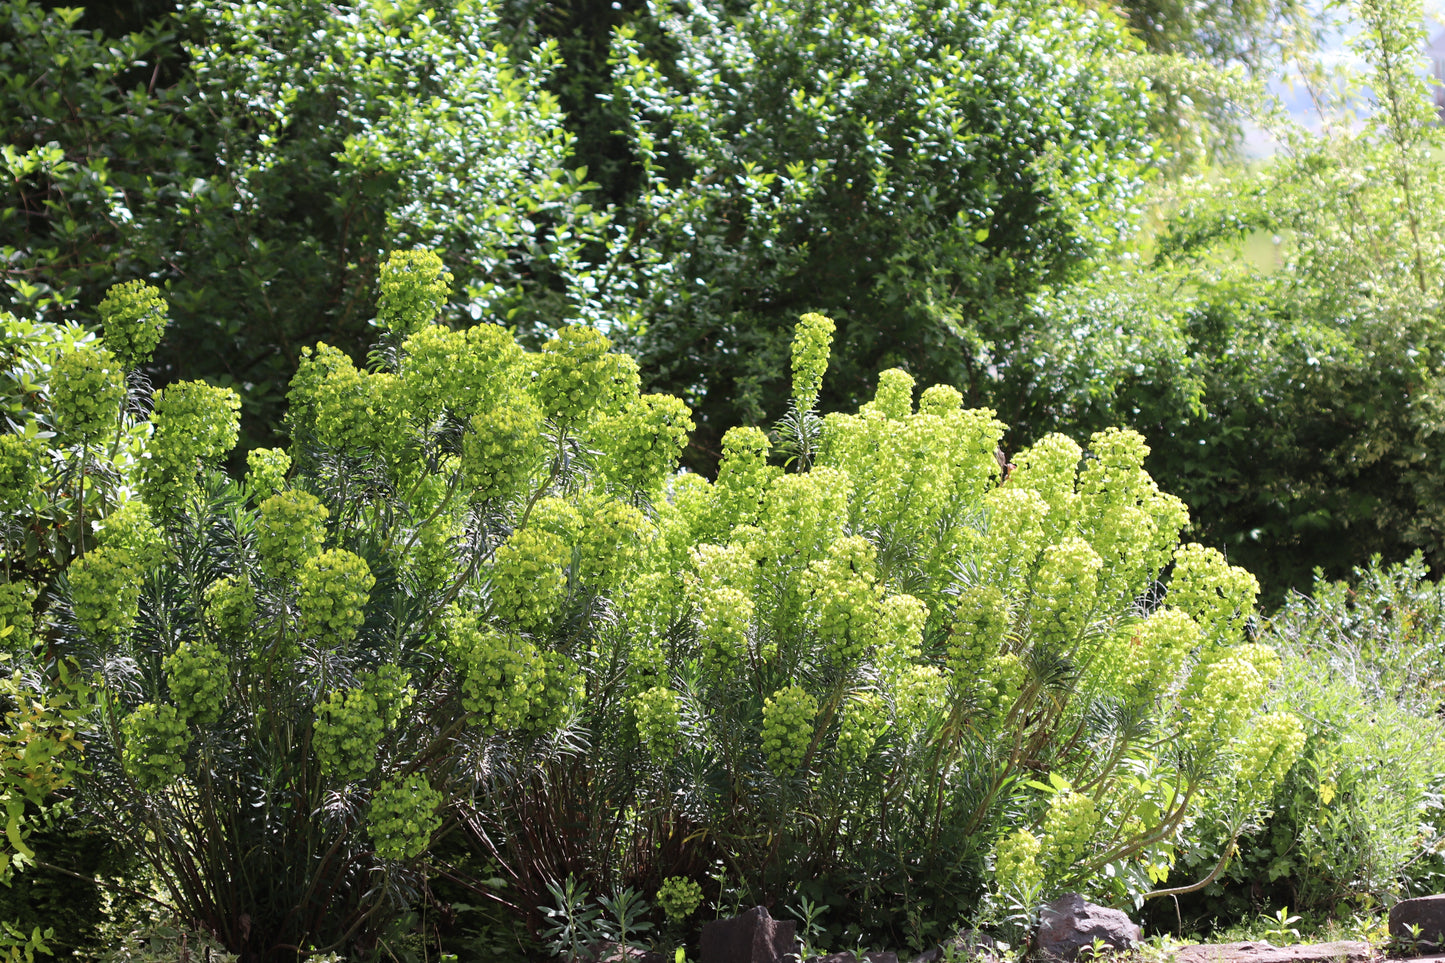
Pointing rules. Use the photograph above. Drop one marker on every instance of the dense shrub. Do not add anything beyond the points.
(268, 155)
(474, 597)
(1356, 821)
(1296, 405)
(914, 169)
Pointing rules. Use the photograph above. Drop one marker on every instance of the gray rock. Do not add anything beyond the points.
(1069, 926)
(1261, 952)
(848, 956)
(1425, 912)
(751, 937)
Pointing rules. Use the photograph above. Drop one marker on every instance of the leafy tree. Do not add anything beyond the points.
(1207, 63)
(301, 143)
(95, 153)
(914, 169)
(1296, 407)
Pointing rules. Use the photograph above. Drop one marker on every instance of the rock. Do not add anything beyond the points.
(965, 944)
(751, 937)
(1427, 913)
(847, 956)
(1345, 952)
(1068, 926)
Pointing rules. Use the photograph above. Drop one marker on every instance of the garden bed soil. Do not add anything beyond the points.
(1263, 952)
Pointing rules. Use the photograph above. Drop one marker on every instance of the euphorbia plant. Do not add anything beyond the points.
(475, 593)
(302, 675)
(903, 677)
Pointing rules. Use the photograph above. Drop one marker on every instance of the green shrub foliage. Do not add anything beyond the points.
(1292, 397)
(1357, 818)
(911, 169)
(891, 670)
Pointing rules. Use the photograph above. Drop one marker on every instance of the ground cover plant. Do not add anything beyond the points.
(474, 605)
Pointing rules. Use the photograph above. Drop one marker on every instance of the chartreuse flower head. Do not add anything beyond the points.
(463, 372)
(844, 598)
(1147, 656)
(679, 897)
(350, 723)
(656, 713)
(1218, 595)
(414, 287)
(563, 686)
(87, 385)
(901, 619)
(133, 315)
(156, 740)
(290, 530)
(403, 816)
(389, 684)
(19, 457)
(503, 447)
(812, 341)
(231, 606)
(725, 614)
(1017, 869)
(788, 716)
(998, 688)
(104, 593)
(1267, 752)
(1064, 591)
(357, 409)
(266, 470)
(641, 444)
(1219, 697)
(347, 729)
(804, 512)
(529, 577)
(314, 367)
(609, 539)
(131, 529)
(17, 619)
(1015, 535)
(432, 559)
(333, 590)
(744, 474)
(500, 674)
(198, 675)
(193, 424)
(578, 378)
(1050, 468)
(940, 400)
(894, 398)
(920, 692)
(1068, 828)
(863, 721)
(980, 622)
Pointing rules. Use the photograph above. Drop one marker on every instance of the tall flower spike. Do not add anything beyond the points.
(414, 287)
(812, 340)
